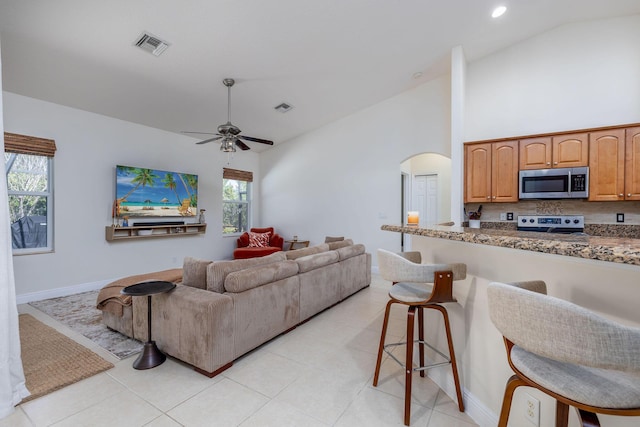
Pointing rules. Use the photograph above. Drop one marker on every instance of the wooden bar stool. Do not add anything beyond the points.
(566, 351)
(418, 286)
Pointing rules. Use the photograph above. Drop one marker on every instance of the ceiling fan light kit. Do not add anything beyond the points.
(229, 133)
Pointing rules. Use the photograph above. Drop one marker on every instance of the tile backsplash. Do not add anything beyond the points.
(594, 212)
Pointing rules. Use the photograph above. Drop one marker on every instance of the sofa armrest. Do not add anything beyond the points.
(243, 240)
(194, 325)
(276, 241)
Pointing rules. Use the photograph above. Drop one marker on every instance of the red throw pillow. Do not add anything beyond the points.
(259, 240)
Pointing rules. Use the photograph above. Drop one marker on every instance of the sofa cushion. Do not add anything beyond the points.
(340, 244)
(194, 272)
(311, 262)
(297, 253)
(249, 278)
(350, 251)
(330, 239)
(217, 271)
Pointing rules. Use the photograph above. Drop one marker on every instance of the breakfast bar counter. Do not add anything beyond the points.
(610, 249)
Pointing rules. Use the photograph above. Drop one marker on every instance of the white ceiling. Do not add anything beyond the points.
(327, 58)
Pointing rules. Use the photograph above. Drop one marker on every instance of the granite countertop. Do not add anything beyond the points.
(612, 249)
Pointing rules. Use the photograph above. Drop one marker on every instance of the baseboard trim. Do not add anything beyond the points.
(473, 407)
(61, 292)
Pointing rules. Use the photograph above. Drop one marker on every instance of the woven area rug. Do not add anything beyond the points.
(79, 312)
(51, 360)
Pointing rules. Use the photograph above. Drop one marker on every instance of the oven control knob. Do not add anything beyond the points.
(576, 221)
(524, 220)
(531, 220)
(567, 221)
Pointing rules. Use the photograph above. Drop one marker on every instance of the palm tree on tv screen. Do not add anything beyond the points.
(143, 178)
(171, 184)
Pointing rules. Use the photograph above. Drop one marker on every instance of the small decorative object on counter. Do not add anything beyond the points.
(125, 221)
(474, 218)
(201, 219)
(413, 218)
(295, 238)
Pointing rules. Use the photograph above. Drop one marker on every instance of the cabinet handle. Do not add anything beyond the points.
(620, 195)
(488, 197)
(548, 163)
(555, 163)
(628, 194)
(494, 197)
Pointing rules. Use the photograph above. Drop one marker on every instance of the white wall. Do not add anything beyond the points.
(89, 148)
(344, 178)
(574, 77)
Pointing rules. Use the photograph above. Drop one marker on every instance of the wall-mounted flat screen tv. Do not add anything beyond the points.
(155, 193)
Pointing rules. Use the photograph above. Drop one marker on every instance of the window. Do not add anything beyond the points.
(236, 201)
(28, 166)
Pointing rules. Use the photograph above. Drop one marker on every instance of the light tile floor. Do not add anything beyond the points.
(317, 375)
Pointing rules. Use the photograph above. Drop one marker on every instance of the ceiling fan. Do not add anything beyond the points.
(228, 132)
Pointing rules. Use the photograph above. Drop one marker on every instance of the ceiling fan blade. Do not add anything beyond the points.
(199, 133)
(209, 140)
(250, 138)
(242, 145)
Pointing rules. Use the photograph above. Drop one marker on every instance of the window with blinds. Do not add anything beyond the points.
(236, 201)
(29, 169)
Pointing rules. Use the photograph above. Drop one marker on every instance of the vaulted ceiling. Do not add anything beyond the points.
(326, 58)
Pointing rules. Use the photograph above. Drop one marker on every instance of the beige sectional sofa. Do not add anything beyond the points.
(223, 309)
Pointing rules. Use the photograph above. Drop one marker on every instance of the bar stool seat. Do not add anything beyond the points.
(418, 286)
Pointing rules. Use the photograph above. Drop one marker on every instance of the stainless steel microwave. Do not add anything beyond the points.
(560, 183)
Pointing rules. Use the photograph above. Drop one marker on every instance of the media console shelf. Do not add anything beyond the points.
(151, 231)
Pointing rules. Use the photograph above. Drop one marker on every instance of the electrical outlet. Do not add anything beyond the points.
(532, 409)
(509, 216)
(503, 216)
(620, 217)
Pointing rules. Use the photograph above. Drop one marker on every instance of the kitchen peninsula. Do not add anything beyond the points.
(601, 274)
(620, 250)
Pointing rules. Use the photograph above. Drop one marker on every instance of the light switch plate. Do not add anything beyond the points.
(620, 217)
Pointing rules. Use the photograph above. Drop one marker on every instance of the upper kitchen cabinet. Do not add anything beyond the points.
(491, 172)
(632, 164)
(562, 151)
(571, 150)
(607, 165)
(535, 153)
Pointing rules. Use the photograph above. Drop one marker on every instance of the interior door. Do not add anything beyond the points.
(425, 198)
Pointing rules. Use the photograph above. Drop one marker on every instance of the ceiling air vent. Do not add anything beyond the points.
(283, 108)
(151, 44)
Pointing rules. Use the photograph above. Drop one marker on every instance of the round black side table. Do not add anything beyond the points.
(151, 356)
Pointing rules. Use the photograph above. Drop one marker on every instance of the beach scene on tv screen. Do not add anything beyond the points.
(154, 193)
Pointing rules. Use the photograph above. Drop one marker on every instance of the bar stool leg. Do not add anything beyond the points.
(421, 338)
(452, 354)
(381, 346)
(408, 368)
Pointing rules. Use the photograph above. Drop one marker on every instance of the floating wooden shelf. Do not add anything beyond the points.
(151, 231)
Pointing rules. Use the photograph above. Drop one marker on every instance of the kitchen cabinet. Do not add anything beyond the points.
(632, 164)
(560, 151)
(491, 172)
(607, 165)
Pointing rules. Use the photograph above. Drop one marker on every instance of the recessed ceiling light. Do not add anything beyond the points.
(498, 11)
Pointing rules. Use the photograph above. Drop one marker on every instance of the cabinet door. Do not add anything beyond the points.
(504, 171)
(632, 164)
(477, 173)
(535, 153)
(570, 151)
(606, 165)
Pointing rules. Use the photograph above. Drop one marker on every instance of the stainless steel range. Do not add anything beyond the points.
(551, 223)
